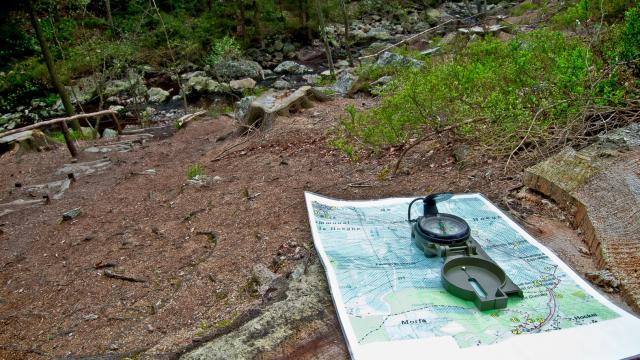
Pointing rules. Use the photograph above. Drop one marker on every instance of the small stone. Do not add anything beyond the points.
(90, 317)
(312, 78)
(430, 51)
(150, 328)
(262, 274)
(392, 59)
(583, 250)
(461, 153)
(71, 214)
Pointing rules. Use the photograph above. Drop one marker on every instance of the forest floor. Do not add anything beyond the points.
(55, 300)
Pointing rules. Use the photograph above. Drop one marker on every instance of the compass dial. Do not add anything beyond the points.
(444, 228)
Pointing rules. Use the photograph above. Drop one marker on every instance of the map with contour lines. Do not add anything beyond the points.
(391, 291)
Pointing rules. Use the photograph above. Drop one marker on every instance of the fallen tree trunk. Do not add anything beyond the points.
(64, 119)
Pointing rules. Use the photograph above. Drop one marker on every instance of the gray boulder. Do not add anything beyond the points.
(242, 107)
(204, 84)
(379, 34)
(291, 67)
(189, 75)
(227, 70)
(10, 121)
(342, 63)
(312, 78)
(345, 83)
(392, 59)
(246, 83)
(115, 87)
(82, 91)
(157, 95)
(281, 84)
(288, 48)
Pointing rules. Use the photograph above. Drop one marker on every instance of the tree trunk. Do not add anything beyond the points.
(242, 30)
(327, 47)
(347, 38)
(56, 82)
(50, 66)
(107, 4)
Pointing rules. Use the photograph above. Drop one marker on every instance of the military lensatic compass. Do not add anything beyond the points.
(468, 272)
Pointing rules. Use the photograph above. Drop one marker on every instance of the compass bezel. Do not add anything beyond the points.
(452, 239)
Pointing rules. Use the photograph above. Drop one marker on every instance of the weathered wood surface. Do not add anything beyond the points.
(265, 108)
(600, 186)
(59, 120)
(30, 140)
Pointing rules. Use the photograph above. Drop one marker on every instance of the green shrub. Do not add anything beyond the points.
(523, 7)
(224, 49)
(623, 44)
(24, 80)
(503, 84)
(583, 10)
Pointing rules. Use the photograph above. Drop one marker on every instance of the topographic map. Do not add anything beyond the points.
(389, 291)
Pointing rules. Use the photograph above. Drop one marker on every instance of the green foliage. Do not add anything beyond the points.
(623, 43)
(25, 79)
(14, 43)
(224, 49)
(194, 170)
(595, 10)
(256, 91)
(202, 328)
(58, 137)
(525, 6)
(503, 83)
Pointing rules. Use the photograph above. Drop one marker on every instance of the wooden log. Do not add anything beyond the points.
(598, 186)
(265, 108)
(60, 120)
(184, 120)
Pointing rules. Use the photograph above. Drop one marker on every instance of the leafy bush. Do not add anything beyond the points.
(224, 49)
(502, 84)
(623, 44)
(26, 79)
(582, 10)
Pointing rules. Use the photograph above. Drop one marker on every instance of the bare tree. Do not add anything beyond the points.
(107, 5)
(347, 38)
(54, 79)
(173, 58)
(327, 47)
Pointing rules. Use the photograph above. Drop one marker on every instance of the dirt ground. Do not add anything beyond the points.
(194, 246)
